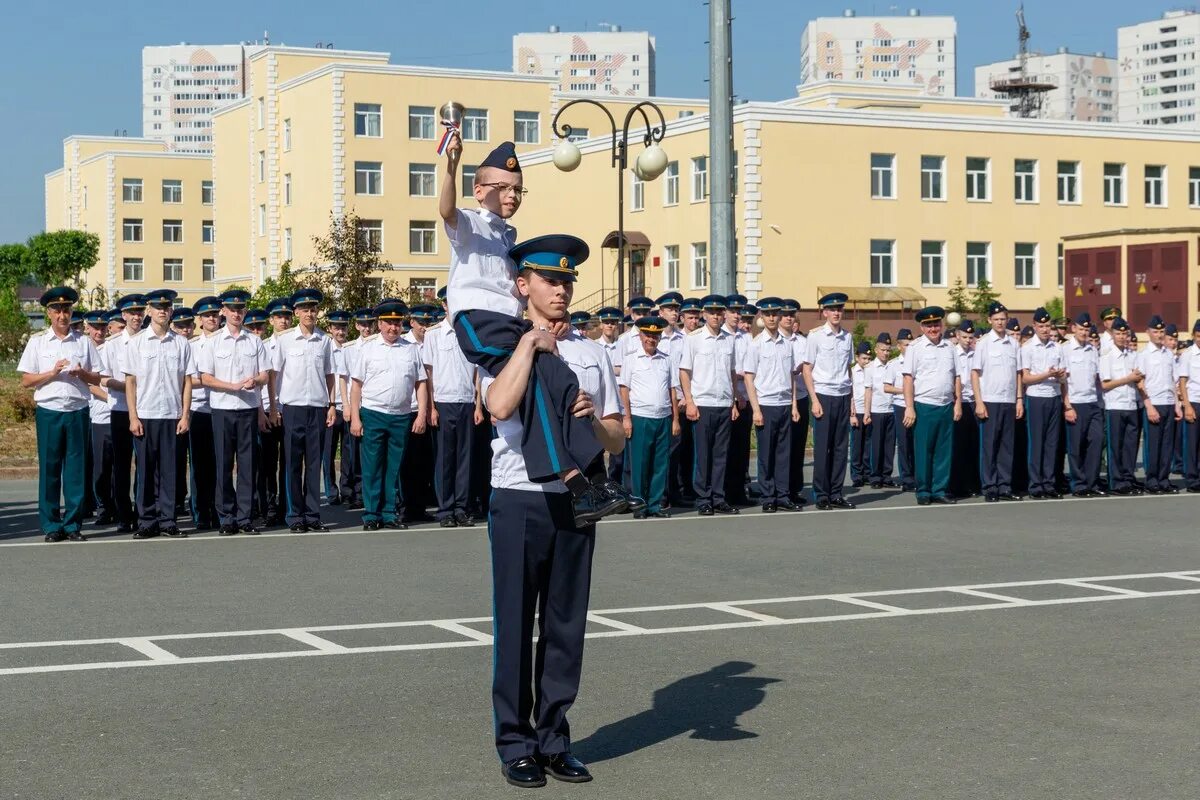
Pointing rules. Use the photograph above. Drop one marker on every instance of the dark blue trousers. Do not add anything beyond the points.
(799, 448)
(1160, 448)
(1043, 421)
(304, 435)
(905, 457)
(553, 440)
(775, 453)
(830, 435)
(860, 450)
(155, 452)
(204, 470)
(1085, 443)
(335, 437)
(996, 436)
(737, 459)
(122, 444)
(711, 438)
(456, 426)
(683, 452)
(352, 479)
(541, 564)
(964, 471)
(883, 446)
(102, 464)
(1191, 449)
(1122, 431)
(234, 433)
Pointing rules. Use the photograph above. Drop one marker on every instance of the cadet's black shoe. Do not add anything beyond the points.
(991, 498)
(1098, 493)
(1054, 495)
(227, 530)
(1079, 493)
(145, 533)
(1170, 488)
(876, 484)
(393, 525)
(1193, 489)
(768, 508)
(173, 531)
(565, 767)
(464, 520)
(317, 527)
(104, 519)
(923, 501)
(335, 501)
(57, 536)
(634, 502)
(943, 500)
(449, 522)
(371, 526)
(823, 505)
(725, 508)
(705, 510)
(857, 484)
(841, 502)
(787, 505)
(641, 514)
(524, 772)
(76, 536)
(660, 514)
(596, 503)
(250, 530)
(891, 484)
(1010, 496)
(125, 527)
(298, 527)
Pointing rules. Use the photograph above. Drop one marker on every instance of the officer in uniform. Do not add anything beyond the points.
(706, 376)
(690, 321)
(581, 321)
(132, 307)
(364, 324)
(879, 411)
(827, 378)
(769, 370)
(159, 371)
(691, 314)
(649, 387)
(998, 403)
(860, 420)
(610, 333)
(416, 479)
(1042, 373)
(58, 365)
(789, 323)
(628, 343)
(201, 444)
(894, 386)
(234, 367)
(932, 394)
(385, 376)
(271, 464)
(1082, 411)
(100, 473)
(1120, 380)
(1189, 393)
(964, 474)
(183, 323)
(337, 322)
(737, 462)
(454, 415)
(1162, 407)
(668, 307)
(304, 409)
(1108, 316)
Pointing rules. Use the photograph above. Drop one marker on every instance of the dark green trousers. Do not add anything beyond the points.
(649, 456)
(62, 439)
(383, 440)
(933, 448)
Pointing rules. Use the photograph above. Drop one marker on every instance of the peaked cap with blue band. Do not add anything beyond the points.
(338, 317)
(60, 295)
(713, 302)
(234, 298)
(364, 315)
(833, 300)
(206, 304)
(609, 314)
(97, 317)
(555, 256)
(770, 305)
(303, 297)
(691, 304)
(161, 297)
(76, 317)
(580, 318)
(132, 302)
(670, 299)
(280, 305)
(255, 316)
(182, 315)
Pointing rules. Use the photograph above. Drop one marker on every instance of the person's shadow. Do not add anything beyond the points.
(706, 706)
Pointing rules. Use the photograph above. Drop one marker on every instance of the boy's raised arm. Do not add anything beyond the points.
(448, 199)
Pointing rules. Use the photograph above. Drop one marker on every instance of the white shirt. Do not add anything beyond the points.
(741, 344)
(894, 377)
(966, 360)
(1038, 357)
(1158, 365)
(98, 409)
(160, 364)
(302, 364)
(830, 355)
(339, 369)
(233, 359)
(933, 366)
(858, 390)
(389, 374)
(482, 276)
(771, 362)
(709, 361)
(649, 380)
(1083, 365)
(63, 392)
(1189, 367)
(1114, 365)
(453, 375)
(876, 374)
(350, 351)
(114, 362)
(996, 361)
(199, 393)
(671, 344)
(799, 350)
(590, 365)
(1106, 341)
(614, 350)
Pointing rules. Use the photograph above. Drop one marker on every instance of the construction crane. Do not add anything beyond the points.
(1025, 93)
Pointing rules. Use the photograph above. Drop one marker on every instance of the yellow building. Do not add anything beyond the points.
(152, 210)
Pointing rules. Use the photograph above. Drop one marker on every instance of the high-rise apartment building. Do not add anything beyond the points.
(1085, 86)
(910, 49)
(593, 62)
(1157, 67)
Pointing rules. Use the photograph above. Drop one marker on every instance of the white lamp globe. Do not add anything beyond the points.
(953, 319)
(652, 162)
(636, 169)
(566, 156)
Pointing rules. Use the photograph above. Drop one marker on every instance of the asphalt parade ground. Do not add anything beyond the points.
(1042, 649)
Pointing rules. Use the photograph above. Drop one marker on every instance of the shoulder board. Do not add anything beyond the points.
(814, 330)
(371, 338)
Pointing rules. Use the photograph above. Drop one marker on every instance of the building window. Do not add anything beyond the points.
(368, 119)
(933, 177)
(1061, 265)
(1025, 180)
(172, 230)
(287, 244)
(1114, 184)
(1068, 181)
(208, 270)
(525, 127)
(671, 185)
(421, 180)
(468, 180)
(699, 265)
(131, 230)
(173, 270)
(637, 193)
(262, 113)
(577, 135)
(420, 122)
(368, 177)
(422, 237)
(287, 134)
(207, 232)
(475, 125)
(979, 263)
(206, 193)
(262, 220)
(172, 191)
(671, 256)
(1156, 185)
(883, 168)
(370, 234)
(882, 255)
(978, 170)
(287, 188)
(699, 179)
(131, 190)
(933, 263)
(132, 269)
(262, 165)
(1026, 276)
(1194, 187)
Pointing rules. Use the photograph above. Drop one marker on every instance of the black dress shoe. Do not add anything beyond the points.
(787, 505)
(227, 530)
(942, 500)
(768, 508)
(1080, 493)
(449, 522)
(371, 526)
(335, 501)
(317, 527)
(641, 514)
(633, 502)
(991, 498)
(57, 536)
(565, 767)
(393, 525)
(298, 527)
(923, 501)
(145, 533)
(594, 504)
(173, 531)
(76, 536)
(660, 514)
(705, 510)
(891, 484)
(725, 508)
(876, 484)
(1054, 495)
(1193, 489)
(857, 484)
(823, 505)
(1010, 497)
(1170, 488)
(464, 520)
(841, 502)
(524, 772)
(1098, 492)
(250, 530)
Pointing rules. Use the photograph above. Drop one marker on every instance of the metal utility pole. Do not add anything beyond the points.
(720, 146)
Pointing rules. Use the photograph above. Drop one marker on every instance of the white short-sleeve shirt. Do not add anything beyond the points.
(159, 364)
(63, 392)
(997, 359)
(1114, 365)
(198, 343)
(339, 370)
(966, 359)
(1038, 357)
(302, 363)
(482, 276)
(894, 377)
(771, 361)
(233, 359)
(876, 375)
(1157, 364)
(709, 361)
(858, 388)
(1083, 366)
(649, 379)
(98, 409)
(799, 351)
(114, 362)
(933, 367)
(453, 375)
(389, 374)
(831, 354)
(1189, 367)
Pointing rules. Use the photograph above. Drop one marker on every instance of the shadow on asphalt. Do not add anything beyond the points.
(705, 706)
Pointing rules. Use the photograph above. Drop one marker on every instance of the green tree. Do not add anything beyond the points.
(1055, 307)
(284, 284)
(14, 266)
(958, 297)
(982, 297)
(859, 334)
(346, 266)
(60, 258)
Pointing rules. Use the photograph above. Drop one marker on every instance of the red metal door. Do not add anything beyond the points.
(1092, 280)
(1157, 283)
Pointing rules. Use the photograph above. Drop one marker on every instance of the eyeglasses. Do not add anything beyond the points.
(505, 188)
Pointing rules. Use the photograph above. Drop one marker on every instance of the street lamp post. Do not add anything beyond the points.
(649, 164)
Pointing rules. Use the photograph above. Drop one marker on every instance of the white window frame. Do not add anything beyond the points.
(1154, 186)
(374, 230)
(172, 191)
(426, 177)
(427, 230)
(287, 134)
(475, 125)
(1069, 181)
(368, 112)
(287, 244)
(973, 261)
(933, 178)
(172, 264)
(262, 166)
(890, 264)
(1025, 184)
(208, 270)
(207, 188)
(522, 125)
(173, 225)
(287, 188)
(1023, 261)
(208, 232)
(671, 264)
(699, 179)
(637, 193)
(133, 269)
(671, 184)
(262, 220)
(883, 177)
(368, 169)
(468, 179)
(1062, 265)
(699, 262)
(135, 226)
(131, 188)
(1117, 181)
(425, 122)
(261, 106)
(1194, 187)
(973, 178)
(930, 261)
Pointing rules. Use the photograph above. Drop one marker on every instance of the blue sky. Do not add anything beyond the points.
(74, 67)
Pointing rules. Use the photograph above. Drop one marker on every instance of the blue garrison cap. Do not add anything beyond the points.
(279, 305)
(391, 310)
(234, 298)
(863, 349)
(883, 338)
(1027, 331)
(1196, 326)
(364, 315)
(422, 313)
(441, 293)
(182, 315)
(641, 304)
(255, 316)
(59, 295)
(770, 305)
(904, 335)
(307, 297)
(1013, 324)
(833, 300)
(995, 307)
(76, 317)
(627, 320)
(790, 306)
(669, 299)
(748, 311)
(97, 317)
(713, 302)
(580, 318)
(1041, 315)
(930, 314)
(338, 317)
(652, 325)
(1120, 324)
(556, 256)
(735, 302)
(206, 304)
(691, 304)
(966, 326)
(113, 315)
(132, 302)
(1156, 323)
(1171, 329)
(609, 314)
(503, 157)
(1083, 318)
(161, 297)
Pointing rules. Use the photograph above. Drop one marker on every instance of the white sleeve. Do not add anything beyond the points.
(685, 360)
(610, 403)
(29, 357)
(750, 359)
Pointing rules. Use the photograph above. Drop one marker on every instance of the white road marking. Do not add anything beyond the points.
(741, 617)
